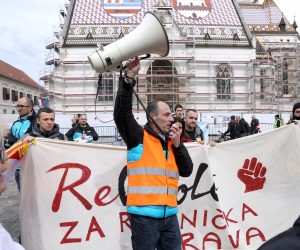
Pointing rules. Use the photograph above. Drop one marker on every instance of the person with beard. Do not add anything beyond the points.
(45, 126)
(82, 132)
(20, 127)
(192, 132)
(155, 159)
(295, 113)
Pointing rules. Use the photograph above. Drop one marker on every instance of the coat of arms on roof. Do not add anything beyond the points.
(122, 9)
(193, 9)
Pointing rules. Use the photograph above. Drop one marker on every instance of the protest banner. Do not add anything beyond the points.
(240, 194)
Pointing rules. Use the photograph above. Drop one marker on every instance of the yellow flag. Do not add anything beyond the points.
(18, 150)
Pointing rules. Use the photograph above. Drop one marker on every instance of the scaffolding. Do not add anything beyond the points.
(264, 81)
(285, 65)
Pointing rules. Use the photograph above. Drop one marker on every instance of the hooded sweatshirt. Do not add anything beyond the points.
(53, 134)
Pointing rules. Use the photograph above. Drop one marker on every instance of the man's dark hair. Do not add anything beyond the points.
(192, 110)
(277, 116)
(178, 119)
(177, 106)
(44, 110)
(152, 108)
(232, 117)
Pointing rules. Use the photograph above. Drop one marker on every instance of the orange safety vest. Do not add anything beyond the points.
(153, 179)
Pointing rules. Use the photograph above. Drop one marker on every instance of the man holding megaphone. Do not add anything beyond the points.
(155, 159)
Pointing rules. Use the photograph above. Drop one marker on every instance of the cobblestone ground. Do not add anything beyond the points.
(9, 210)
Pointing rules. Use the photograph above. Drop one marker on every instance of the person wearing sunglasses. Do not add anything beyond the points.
(22, 126)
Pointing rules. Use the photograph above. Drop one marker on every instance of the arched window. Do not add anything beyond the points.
(162, 83)
(263, 86)
(223, 81)
(285, 77)
(6, 93)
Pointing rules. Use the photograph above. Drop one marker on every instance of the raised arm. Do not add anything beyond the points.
(127, 126)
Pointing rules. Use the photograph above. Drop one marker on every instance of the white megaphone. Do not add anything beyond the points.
(149, 37)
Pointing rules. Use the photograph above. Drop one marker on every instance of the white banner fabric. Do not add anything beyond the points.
(240, 194)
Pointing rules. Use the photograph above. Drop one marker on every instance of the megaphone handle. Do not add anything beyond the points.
(145, 57)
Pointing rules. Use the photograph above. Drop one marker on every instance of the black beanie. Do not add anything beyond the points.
(296, 106)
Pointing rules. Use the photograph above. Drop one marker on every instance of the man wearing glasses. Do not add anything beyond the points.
(21, 126)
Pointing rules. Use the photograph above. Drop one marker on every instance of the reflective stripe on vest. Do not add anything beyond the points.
(152, 171)
(153, 179)
(152, 190)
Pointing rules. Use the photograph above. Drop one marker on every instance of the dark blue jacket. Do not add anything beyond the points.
(287, 240)
(77, 131)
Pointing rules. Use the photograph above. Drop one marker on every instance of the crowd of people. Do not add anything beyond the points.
(156, 156)
(42, 124)
(237, 127)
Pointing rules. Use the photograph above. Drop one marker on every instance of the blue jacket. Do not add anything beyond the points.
(20, 127)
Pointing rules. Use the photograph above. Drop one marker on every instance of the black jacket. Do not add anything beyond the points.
(254, 123)
(54, 134)
(133, 134)
(88, 130)
(233, 130)
(287, 240)
(244, 127)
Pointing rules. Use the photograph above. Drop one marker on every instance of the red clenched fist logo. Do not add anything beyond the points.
(253, 175)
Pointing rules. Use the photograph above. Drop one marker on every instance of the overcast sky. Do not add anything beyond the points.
(26, 25)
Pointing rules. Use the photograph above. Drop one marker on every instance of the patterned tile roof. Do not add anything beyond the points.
(104, 20)
(96, 12)
(15, 74)
(219, 12)
(263, 17)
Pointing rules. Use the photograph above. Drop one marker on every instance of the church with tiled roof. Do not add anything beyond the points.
(225, 56)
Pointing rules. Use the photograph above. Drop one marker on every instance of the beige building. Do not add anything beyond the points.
(225, 56)
(14, 84)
